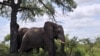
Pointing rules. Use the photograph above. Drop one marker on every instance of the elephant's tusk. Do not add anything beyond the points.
(62, 41)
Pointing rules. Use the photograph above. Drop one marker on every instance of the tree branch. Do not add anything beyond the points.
(45, 6)
(19, 2)
(53, 17)
(25, 8)
(5, 3)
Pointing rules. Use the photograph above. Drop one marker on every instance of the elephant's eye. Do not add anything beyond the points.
(58, 31)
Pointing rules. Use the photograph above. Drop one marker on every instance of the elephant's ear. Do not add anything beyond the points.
(48, 28)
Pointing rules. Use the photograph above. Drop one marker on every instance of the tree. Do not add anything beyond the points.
(29, 9)
(97, 42)
(72, 44)
(89, 45)
(7, 38)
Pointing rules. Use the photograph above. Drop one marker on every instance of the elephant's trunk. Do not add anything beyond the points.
(62, 49)
(62, 46)
(62, 41)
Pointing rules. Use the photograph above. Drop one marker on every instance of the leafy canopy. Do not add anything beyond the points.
(30, 9)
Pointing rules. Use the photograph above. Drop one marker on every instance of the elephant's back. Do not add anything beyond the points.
(34, 30)
(34, 36)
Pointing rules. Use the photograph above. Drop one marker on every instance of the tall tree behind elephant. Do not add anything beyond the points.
(39, 37)
(21, 32)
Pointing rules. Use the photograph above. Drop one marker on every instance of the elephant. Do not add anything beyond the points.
(43, 37)
(21, 32)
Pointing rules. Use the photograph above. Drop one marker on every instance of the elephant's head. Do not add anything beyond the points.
(54, 31)
(59, 33)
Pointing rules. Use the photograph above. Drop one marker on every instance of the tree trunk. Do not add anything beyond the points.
(13, 30)
(14, 26)
(71, 50)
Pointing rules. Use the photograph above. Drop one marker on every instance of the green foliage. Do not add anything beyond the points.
(73, 47)
(30, 9)
(4, 50)
(7, 37)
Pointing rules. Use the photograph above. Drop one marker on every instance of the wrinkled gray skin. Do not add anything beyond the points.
(39, 37)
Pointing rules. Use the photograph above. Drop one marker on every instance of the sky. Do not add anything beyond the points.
(83, 22)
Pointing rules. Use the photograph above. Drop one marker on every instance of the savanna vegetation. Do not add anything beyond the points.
(29, 10)
(73, 47)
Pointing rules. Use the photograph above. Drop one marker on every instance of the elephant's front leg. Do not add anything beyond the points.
(51, 48)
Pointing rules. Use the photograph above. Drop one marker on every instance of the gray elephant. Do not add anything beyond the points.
(40, 37)
(21, 32)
